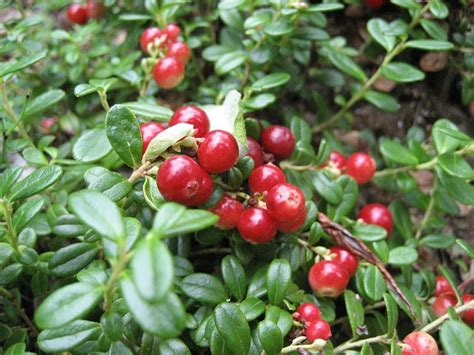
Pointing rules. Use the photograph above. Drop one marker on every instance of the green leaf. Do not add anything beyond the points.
(113, 185)
(36, 182)
(98, 212)
(233, 327)
(278, 280)
(438, 241)
(5, 252)
(455, 165)
(456, 338)
(279, 28)
(374, 283)
(458, 188)
(258, 102)
(252, 307)
(230, 61)
(430, 45)
(438, 8)
(355, 311)
(26, 212)
(346, 65)
(149, 111)
(281, 318)
(270, 337)
(407, 4)
(67, 304)
(402, 256)
(301, 130)
(42, 102)
(112, 325)
(379, 29)
(152, 195)
(434, 29)
(8, 178)
(446, 136)
(71, 259)
(469, 249)
(270, 81)
(123, 133)
(173, 347)
(204, 288)
(402, 219)
(383, 101)
(369, 232)
(402, 72)
(397, 153)
(91, 146)
(350, 193)
(328, 189)
(84, 89)
(166, 139)
(24, 62)
(392, 314)
(233, 274)
(67, 337)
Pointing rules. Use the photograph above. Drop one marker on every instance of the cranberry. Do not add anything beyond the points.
(255, 152)
(361, 167)
(180, 51)
(293, 225)
(346, 259)
(168, 72)
(278, 140)
(219, 151)
(77, 13)
(181, 179)
(95, 9)
(420, 343)
(265, 177)
(442, 303)
(374, 4)
(256, 226)
(307, 313)
(319, 329)
(172, 31)
(47, 123)
(337, 159)
(468, 316)
(229, 210)
(442, 286)
(149, 36)
(149, 131)
(378, 214)
(192, 115)
(285, 201)
(328, 279)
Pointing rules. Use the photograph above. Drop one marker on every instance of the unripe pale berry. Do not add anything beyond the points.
(278, 140)
(378, 214)
(229, 210)
(218, 152)
(319, 329)
(192, 115)
(346, 259)
(168, 72)
(361, 167)
(256, 226)
(420, 343)
(149, 130)
(328, 279)
(265, 177)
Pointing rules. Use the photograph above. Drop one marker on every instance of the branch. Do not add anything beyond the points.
(437, 322)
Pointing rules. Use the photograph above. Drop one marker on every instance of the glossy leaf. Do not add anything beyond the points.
(278, 280)
(36, 182)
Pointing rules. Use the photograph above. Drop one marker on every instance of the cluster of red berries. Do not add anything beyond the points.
(80, 14)
(360, 166)
(445, 297)
(329, 278)
(174, 54)
(314, 327)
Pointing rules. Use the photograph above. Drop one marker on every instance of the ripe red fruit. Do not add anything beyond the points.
(307, 313)
(278, 140)
(194, 116)
(285, 202)
(468, 316)
(442, 303)
(149, 130)
(265, 177)
(149, 36)
(337, 159)
(229, 210)
(219, 151)
(168, 72)
(319, 329)
(293, 225)
(361, 167)
(328, 279)
(179, 50)
(77, 13)
(256, 226)
(181, 179)
(420, 343)
(378, 214)
(255, 152)
(442, 286)
(374, 4)
(346, 259)
(47, 123)
(172, 31)
(95, 9)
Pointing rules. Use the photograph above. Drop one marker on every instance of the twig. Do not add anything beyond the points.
(357, 344)
(437, 322)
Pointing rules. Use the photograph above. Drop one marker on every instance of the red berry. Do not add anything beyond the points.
(256, 226)
(47, 123)
(319, 329)
(265, 177)
(149, 131)
(229, 210)
(180, 51)
(219, 151)
(442, 303)
(420, 343)
(375, 213)
(337, 159)
(346, 259)
(328, 279)
(293, 225)
(442, 286)
(374, 4)
(181, 179)
(361, 167)
(278, 140)
(168, 72)
(255, 152)
(77, 13)
(149, 36)
(307, 313)
(285, 201)
(95, 9)
(194, 116)
(172, 31)
(468, 316)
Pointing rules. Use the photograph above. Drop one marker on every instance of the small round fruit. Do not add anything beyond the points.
(420, 343)
(338, 160)
(442, 286)
(168, 72)
(256, 226)
(218, 152)
(328, 279)
(229, 210)
(204, 192)
(95, 9)
(442, 303)
(278, 140)
(361, 167)
(468, 316)
(179, 50)
(374, 4)
(346, 259)
(77, 13)
(265, 177)
(172, 31)
(255, 152)
(293, 225)
(149, 131)
(194, 116)
(149, 36)
(307, 313)
(319, 329)
(47, 123)
(378, 214)
(285, 202)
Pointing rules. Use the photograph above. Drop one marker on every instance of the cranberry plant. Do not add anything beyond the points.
(179, 177)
